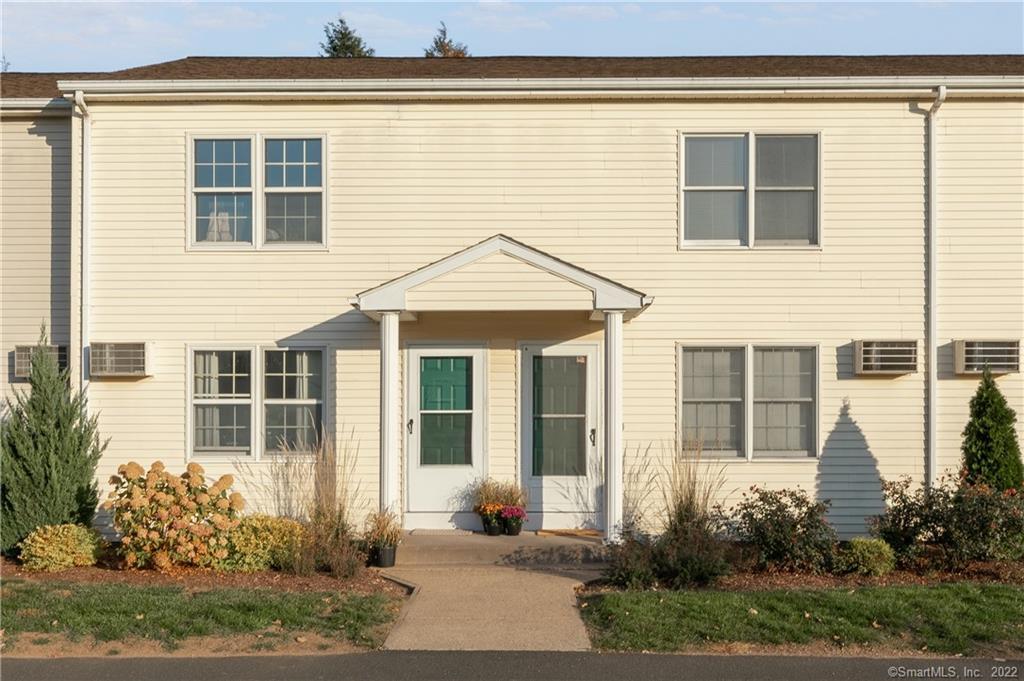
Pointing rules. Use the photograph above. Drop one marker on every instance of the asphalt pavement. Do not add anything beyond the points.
(502, 666)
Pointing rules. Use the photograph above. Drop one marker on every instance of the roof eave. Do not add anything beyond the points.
(452, 86)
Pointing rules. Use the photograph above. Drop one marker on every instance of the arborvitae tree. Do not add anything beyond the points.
(49, 449)
(991, 452)
(443, 46)
(342, 41)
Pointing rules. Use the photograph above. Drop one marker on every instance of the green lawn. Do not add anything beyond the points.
(952, 618)
(115, 612)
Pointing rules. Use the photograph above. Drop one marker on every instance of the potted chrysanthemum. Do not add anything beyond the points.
(490, 515)
(512, 518)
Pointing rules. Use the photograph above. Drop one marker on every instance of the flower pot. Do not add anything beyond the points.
(492, 528)
(384, 556)
(513, 529)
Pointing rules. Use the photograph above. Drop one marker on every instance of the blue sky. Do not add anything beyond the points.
(50, 36)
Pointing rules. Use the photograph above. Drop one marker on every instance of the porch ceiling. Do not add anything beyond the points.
(500, 274)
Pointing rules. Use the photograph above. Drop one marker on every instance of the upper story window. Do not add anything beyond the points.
(223, 188)
(727, 201)
(258, 191)
(293, 188)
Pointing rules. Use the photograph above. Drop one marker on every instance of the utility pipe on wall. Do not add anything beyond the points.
(931, 297)
(83, 330)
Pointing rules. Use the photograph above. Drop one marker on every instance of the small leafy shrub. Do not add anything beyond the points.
(991, 452)
(908, 519)
(689, 556)
(787, 529)
(960, 523)
(980, 523)
(869, 557)
(58, 547)
(167, 519)
(262, 542)
(631, 562)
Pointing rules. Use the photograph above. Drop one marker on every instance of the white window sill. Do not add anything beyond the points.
(729, 247)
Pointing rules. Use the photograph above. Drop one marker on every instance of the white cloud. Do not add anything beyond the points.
(503, 16)
(374, 26)
(591, 12)
(228, 17)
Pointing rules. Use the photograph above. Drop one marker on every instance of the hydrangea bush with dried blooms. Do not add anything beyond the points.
(167, 519)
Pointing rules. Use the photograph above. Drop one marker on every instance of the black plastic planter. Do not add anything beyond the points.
(384, 556)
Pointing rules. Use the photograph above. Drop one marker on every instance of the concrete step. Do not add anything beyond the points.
(528, 550)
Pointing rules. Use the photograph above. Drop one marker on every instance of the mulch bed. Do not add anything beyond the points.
(744, 580)
(1003, 573)
(199, 579)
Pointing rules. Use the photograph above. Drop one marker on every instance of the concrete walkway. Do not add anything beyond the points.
(493, 593)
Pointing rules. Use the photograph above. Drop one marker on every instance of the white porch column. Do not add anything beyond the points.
(390, 454)
(613, 454)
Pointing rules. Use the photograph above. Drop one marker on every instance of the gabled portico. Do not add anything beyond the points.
(501, 274)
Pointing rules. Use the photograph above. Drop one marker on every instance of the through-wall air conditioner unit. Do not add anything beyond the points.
(885, 357)
(1000, 356)
(120, 360)
(23, 358)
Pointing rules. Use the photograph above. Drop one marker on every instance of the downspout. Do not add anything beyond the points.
(931, 297)
(86, 220)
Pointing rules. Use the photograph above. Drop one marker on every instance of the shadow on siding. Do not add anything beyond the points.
(848, 476)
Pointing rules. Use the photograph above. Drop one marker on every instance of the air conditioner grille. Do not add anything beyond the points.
(23, 358)
(886, 357)
(999, 356)
(117, 359)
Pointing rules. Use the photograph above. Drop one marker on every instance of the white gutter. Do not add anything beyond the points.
(44, 105)
(537, 85)
(931, 297)
(86, 229)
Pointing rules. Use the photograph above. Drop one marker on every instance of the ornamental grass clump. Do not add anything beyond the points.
(59, 547)
(167, 519)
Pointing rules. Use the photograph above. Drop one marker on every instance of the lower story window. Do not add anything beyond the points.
(749, 401)
(712, 400)
(226, 412)
(292, 399)
(222, 402)
(784, 397)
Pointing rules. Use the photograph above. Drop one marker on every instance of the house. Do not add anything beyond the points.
(555, 270)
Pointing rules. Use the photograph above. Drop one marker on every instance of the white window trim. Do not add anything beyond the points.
(257, 449)
(748, 400)
(258, 192)
(322, 190)
(750, 187)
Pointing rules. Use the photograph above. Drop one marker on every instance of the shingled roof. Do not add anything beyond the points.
(298, 68)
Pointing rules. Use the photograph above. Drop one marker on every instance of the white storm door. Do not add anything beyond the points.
(561, 455)
(444, 428)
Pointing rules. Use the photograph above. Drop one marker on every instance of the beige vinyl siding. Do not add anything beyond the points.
(499, 282)
(980, 149)
(35, 221)
(592, 183)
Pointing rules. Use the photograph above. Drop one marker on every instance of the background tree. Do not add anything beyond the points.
(443, 46)
(49, 449)
(991, 452)
(342, 41)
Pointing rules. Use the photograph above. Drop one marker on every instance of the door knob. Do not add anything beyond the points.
(408, 427)
(593, 436)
